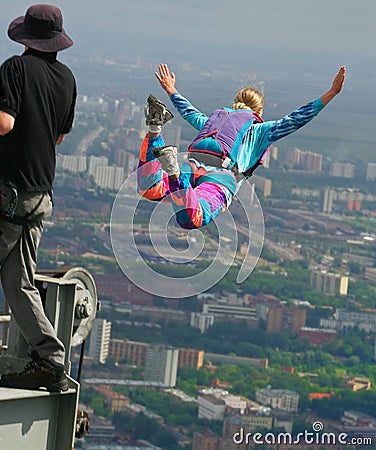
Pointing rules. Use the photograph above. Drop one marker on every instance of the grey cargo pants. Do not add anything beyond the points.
(18, 260)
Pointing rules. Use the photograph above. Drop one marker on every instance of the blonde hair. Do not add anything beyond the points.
(249, 98)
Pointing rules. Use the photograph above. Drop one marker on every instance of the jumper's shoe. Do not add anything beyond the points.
(168, 157)
(37, 375)
(156, 112)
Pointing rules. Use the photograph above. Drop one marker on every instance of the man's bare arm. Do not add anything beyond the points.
(60, 139)
(6, 123)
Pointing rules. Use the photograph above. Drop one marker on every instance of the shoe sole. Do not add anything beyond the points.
(160, 108)
(152, 99)
(163, 151)
(61, 386)
(160, 155)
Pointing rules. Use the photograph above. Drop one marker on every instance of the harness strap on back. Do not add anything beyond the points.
(216, 161)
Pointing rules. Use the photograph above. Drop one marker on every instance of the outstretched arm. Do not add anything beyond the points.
(336, 87)
(266, 133)
(185, 108)
(301, 116)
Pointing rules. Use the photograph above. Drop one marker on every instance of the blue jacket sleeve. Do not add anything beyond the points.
(191, 114)
(261, 135)
(293, 121)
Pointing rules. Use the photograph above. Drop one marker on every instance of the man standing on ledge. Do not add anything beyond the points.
(37, 101)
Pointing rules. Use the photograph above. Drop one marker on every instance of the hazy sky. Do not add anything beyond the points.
(289, 33)
(309, 38)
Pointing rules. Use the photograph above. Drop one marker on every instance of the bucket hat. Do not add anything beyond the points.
(41, 28)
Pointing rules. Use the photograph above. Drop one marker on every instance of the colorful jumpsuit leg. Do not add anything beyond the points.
(153, 183)
(197, 196)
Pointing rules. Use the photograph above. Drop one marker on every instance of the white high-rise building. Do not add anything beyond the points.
(327, 197)
(264, 185)
(330, 283)
(95, 161)
(271, 155)
(202, 321)
(73, 163)
(161, 364)
(109, 177)
(99, 340)
(345, 170)
(371, 172)
(303, 160)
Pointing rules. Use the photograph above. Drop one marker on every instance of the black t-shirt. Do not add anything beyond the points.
(40, 93)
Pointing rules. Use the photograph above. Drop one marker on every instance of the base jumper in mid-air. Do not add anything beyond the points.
(231, 144)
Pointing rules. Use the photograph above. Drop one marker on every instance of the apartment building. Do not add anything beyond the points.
(161, 364)
(278, 398)
(329, 283)
(285, 318)
(99, 340)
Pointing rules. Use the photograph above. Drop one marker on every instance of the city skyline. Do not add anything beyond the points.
(289, 35)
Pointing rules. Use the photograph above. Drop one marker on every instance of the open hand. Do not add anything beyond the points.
(166, 79)
(336, 87)
(339, 80)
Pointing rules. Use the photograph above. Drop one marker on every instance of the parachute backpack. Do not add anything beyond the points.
(217, 144)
